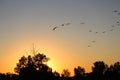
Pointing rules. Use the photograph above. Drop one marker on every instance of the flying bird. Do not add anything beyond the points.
(62, 24)
(104, 32)
(90, 30)
(89, 46)
(55, 28)
(82, 23)
(67, 24)
(119, 13)
(111, 30)
(113, 26)
(93, 41)
(96, 32)
(117, 22)
(115, 11)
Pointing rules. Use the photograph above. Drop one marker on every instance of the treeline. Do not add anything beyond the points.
(35, 68)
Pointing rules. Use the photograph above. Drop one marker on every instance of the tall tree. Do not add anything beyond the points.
(79, 71)
(34, 67)
(38, 62)
(99, 67)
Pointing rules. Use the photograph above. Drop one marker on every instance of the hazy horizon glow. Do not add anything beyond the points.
(25, 22)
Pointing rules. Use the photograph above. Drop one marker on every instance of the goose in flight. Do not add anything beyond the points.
(119, 13)
(89, 46)
(111, 30)
(55, 28)
(113, 26)
(104, 32)
(62, 24)
(90, 30)
(117, 22)
(115, 11)
(93, 41)
(96, 32)
(67, 24)
(82, 23)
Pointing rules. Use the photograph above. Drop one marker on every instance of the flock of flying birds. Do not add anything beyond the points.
(117, 23)
(65, 24)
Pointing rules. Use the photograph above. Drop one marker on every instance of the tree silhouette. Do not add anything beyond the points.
(116, 67)
(98, 71)
(8, 76)
(99, 67)
(65, 73)
(34, 67)
(79, 73)
(113, 72)
(56, 74)
(22, 64)
(37, 61)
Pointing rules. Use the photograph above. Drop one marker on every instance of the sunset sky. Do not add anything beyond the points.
(24, 22)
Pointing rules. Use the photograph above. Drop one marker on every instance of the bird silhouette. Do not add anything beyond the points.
(89, 46)
(82, 23)
(62, 24)
(55, 28)
(113, 26)
(90, 30)
(67, 24)
(111, 30)
(115, 11)
(119, 13)
(93, 41)
(104, 32)
(117, 22)
(96, 32)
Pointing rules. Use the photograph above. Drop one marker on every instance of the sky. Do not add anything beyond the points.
(27, 22)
